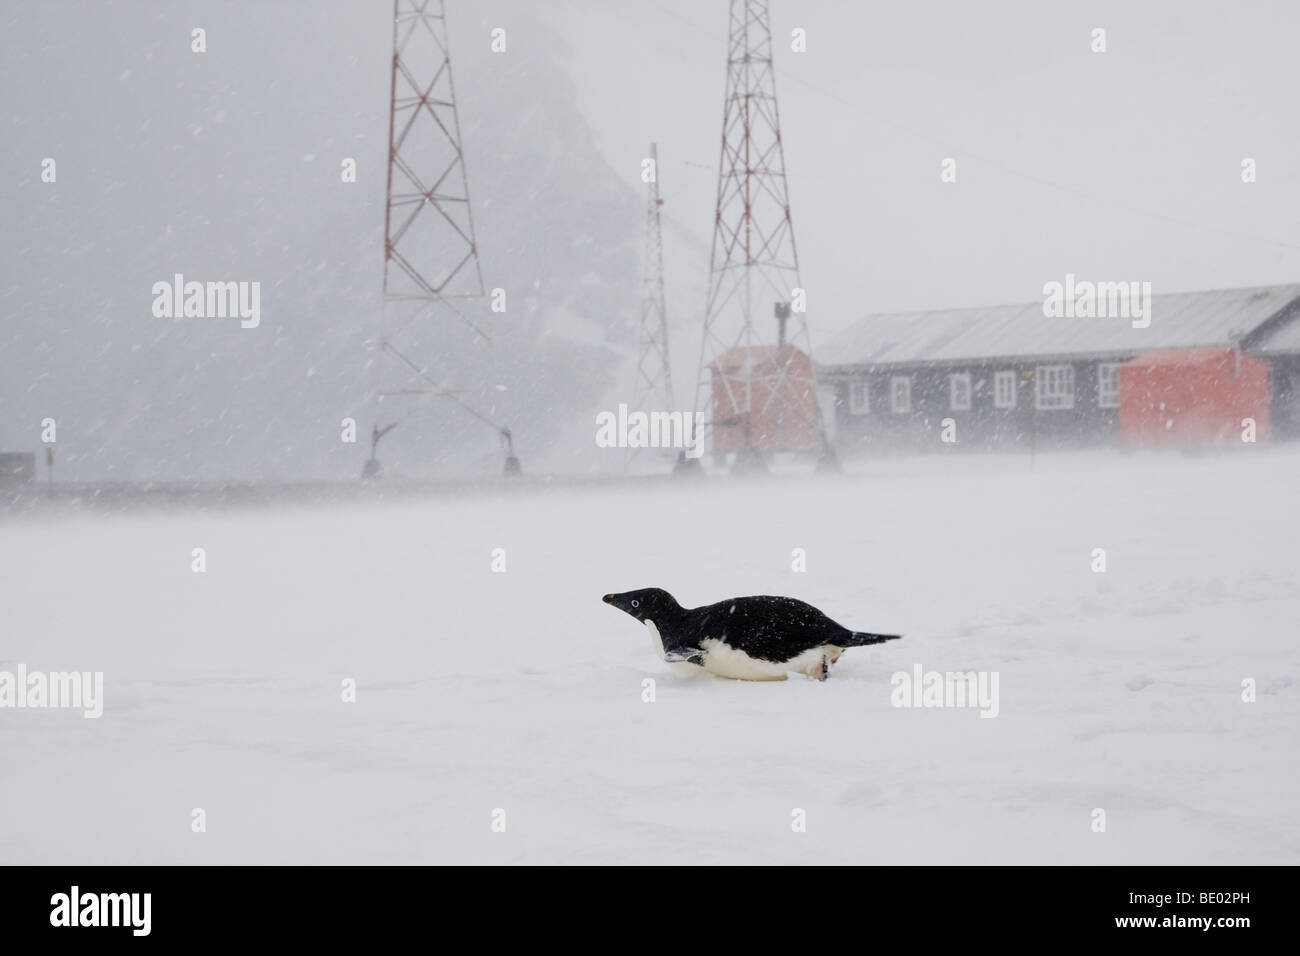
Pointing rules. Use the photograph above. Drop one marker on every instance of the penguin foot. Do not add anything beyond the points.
(822, 670)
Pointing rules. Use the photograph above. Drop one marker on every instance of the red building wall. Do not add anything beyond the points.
(775, 422)
(1192, 397)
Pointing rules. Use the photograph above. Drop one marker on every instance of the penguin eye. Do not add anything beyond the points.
(636, 603)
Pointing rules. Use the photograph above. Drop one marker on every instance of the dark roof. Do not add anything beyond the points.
(1178, 320)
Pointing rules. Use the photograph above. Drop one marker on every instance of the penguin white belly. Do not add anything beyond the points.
(727, 661)
(680, 668)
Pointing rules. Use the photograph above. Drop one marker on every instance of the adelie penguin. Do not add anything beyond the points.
(747, 638)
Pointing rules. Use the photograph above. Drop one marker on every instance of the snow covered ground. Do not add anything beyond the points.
(479, 690)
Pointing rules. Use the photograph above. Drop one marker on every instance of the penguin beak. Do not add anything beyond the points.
(608, 599)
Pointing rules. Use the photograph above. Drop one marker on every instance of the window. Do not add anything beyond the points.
(859, 398)
(1054, 386)
(1108, 385)
(959, 391)
(900, 394)
(1004, 389)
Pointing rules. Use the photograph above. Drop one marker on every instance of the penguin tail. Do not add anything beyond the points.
(862, 639)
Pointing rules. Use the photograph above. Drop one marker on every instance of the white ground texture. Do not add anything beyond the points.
(522, 691)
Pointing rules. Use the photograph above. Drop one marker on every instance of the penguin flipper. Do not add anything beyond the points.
(688, 655)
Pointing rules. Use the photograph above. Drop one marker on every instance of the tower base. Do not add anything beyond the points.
(749, 461)
(685, 467)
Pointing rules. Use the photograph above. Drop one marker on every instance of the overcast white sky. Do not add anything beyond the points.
(1118, 165)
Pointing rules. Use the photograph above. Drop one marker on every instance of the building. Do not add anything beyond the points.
(1009, 375)
(751, 410)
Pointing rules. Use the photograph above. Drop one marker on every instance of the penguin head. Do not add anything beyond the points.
(654, 604)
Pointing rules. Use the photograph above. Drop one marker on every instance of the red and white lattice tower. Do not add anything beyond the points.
(429, 247)
(754, 269)
(654, 378)
(430, 253)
